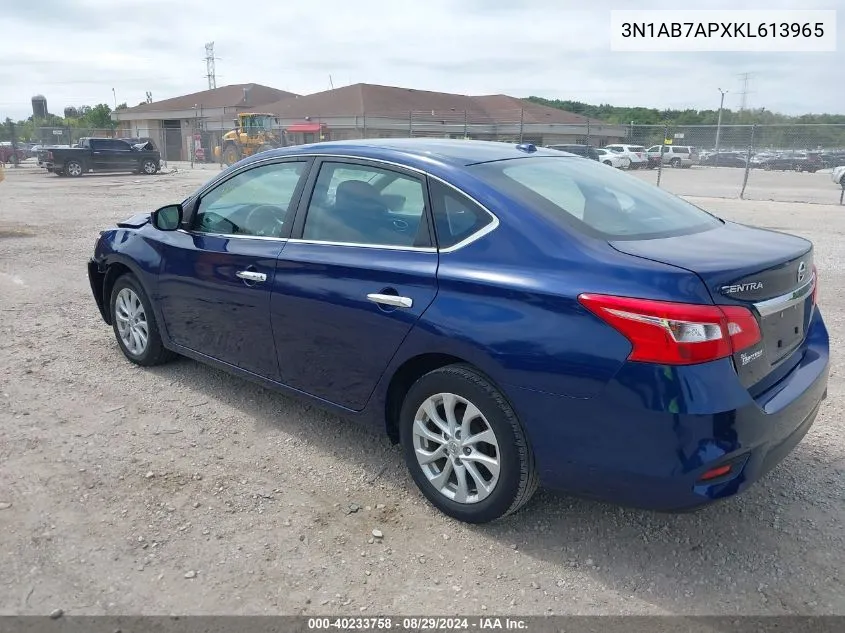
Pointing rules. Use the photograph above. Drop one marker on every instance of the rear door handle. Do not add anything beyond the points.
(251, 275)
(391, 300)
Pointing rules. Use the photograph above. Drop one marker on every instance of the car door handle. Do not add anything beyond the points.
(391, 300)
(251, 275)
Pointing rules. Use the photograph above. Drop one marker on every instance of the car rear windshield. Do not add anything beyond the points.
(594, 200)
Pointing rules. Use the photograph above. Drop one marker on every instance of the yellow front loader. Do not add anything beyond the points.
(254, 132)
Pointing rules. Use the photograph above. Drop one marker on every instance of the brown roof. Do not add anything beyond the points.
(532, 112)
(223, 97)
(391, 101)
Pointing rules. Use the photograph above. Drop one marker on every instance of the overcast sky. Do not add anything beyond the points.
(75, 51)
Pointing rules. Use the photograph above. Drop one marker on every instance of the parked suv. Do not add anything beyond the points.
(636, 154)
(674, 155)
(585, 151)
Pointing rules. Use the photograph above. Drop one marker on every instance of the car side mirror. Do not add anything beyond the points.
(167, 218)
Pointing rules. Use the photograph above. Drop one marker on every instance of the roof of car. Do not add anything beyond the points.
(454, 151)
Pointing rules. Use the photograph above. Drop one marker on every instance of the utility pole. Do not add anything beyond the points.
(209, 66)
(744, 101)
(719, 121)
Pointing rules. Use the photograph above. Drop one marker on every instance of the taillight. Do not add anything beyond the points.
(49, 155)
(676, 333)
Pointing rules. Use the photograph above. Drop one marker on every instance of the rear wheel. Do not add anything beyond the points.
(465, 447)
(607, 162)
(134, 323)
(73, 168)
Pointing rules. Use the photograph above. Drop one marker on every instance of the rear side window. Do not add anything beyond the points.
(585, 196)
(456, 217)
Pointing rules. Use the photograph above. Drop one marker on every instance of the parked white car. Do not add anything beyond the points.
(838, 175)
(614, 160)
(635, 153)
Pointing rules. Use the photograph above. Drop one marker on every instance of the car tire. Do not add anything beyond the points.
(149, 167)
(74, 168)
(675, 163)
(130, 308)
(608, 163)
(460, 387)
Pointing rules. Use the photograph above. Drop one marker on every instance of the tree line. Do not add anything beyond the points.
(654, 116)
(97, 117)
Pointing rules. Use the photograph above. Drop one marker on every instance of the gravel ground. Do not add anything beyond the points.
(183, 490)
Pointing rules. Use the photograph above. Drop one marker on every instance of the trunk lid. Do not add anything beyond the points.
(770, 273)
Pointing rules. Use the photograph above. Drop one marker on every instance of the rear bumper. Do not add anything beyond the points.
(649, 437)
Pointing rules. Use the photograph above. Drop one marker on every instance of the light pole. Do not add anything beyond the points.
(719, 121)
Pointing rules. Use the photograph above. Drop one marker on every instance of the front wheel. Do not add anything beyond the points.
(134, 323)
(465, 447)
(675, 163)
(231, 155)
(149, 167)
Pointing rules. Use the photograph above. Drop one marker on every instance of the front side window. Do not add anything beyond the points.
(255, 202)
(366, 205)
(594, 200)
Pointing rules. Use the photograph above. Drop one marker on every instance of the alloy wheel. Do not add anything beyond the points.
(456, 448)
(132, 323)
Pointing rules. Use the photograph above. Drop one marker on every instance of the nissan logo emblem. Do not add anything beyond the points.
(802, 270)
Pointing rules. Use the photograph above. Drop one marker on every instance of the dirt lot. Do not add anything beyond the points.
(184, 490)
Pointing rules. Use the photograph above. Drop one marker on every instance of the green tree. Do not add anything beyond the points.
(99, 117)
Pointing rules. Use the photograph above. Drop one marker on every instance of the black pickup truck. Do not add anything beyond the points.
(103, 155)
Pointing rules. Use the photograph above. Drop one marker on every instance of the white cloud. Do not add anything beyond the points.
(75, 52)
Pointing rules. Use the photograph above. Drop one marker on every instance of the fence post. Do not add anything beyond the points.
(589, 134)
(466, 122)
(747, 162)
(662, 151)
(410, 123)
(15, 160)
(365, 125)
(521, 123)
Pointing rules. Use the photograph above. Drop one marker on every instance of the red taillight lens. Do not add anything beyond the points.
(676, 333)
(49, 155)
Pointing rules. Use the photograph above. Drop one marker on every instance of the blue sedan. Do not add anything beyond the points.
(513, 316)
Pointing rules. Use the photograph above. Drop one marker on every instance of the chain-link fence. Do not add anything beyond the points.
(786, 163)
(789, 163)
